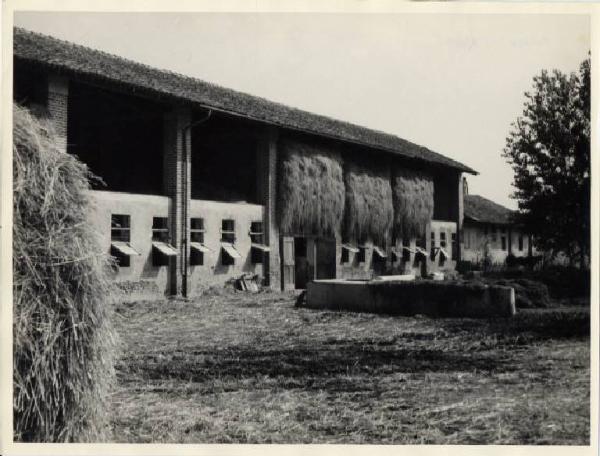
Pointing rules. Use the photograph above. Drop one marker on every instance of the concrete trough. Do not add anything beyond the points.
(425, 297)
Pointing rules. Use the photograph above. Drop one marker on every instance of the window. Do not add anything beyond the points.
(361, 256)
(443, 239)
(160, 229)
(494, 236)
(405, 249)
(345, 255)
(520, 242)
(120, 236)
(379, 253)
(120, 228)
(228, 231)
(503, 240)
(257, 238)
(432, 240)
(162, 250)
(230, 254)
(347, 249)
(454, 246)
(197, 247)
(197, 230)
(421, 246)
(256, 233)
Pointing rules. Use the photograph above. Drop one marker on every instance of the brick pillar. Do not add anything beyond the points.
(57, 104)
(267, 187)
(176, 141)
(460, 215)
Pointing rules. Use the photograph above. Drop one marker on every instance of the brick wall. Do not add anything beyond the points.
(175, 142)
(267, 185)
(57, 104)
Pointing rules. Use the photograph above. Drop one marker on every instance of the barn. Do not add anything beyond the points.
(199, 184)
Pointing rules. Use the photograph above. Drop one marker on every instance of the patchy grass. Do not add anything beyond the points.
(240, 368)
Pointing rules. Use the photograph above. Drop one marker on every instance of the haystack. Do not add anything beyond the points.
(311, 189)
(369, 209)
(413, 202)
(63, 339)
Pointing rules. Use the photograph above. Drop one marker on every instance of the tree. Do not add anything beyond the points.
(548, 148)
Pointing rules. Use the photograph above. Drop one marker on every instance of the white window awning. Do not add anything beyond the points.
(164, 248)
(230, 250)
(261, 247)
(444, 254)
(409, 249)
(124, 248)
(199, 247)
(350, 248)
(379, 252)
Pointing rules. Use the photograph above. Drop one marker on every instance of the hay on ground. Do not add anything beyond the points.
(413, 202)
(311, 189)
(369, 208)
(63, 340)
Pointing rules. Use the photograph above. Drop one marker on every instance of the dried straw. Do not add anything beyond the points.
(369, 209)
(63, 340)
(311, 189)
(413, 202)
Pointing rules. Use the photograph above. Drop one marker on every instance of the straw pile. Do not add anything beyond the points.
(311, 189)
(369, 209)
(63, 340)
(413, 202)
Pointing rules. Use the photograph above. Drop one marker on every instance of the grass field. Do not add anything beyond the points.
(241, 368)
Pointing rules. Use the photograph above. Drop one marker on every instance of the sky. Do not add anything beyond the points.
(451, 82)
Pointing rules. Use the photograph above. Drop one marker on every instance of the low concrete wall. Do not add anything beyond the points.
(436, 299)
(213, 271)
(141, 279)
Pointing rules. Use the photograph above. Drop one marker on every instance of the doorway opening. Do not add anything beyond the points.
(306, 258)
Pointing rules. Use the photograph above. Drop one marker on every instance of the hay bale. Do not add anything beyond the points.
(369, 208)
(63, 340)
(413, 202)
(311, 189)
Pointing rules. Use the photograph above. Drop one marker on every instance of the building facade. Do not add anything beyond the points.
(188, 195)
(490, 234)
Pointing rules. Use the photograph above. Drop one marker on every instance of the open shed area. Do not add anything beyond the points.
(252, 368)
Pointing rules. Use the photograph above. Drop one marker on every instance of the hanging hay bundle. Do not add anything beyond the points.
(413, 202)
(311, 189)
(369, 208)
(63, 340)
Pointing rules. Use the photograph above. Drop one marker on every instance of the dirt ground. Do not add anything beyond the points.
(241, 368)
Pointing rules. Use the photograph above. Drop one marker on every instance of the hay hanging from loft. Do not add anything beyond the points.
(369, 208)
(413, 202)
(311, 189)
(63, 338)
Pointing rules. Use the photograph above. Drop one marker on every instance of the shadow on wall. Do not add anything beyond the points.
(149, 270)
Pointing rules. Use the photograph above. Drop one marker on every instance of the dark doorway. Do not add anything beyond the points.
(325, 249)
(301, 261)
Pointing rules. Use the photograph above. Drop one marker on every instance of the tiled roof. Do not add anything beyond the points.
(100, 67)
(480, 209)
